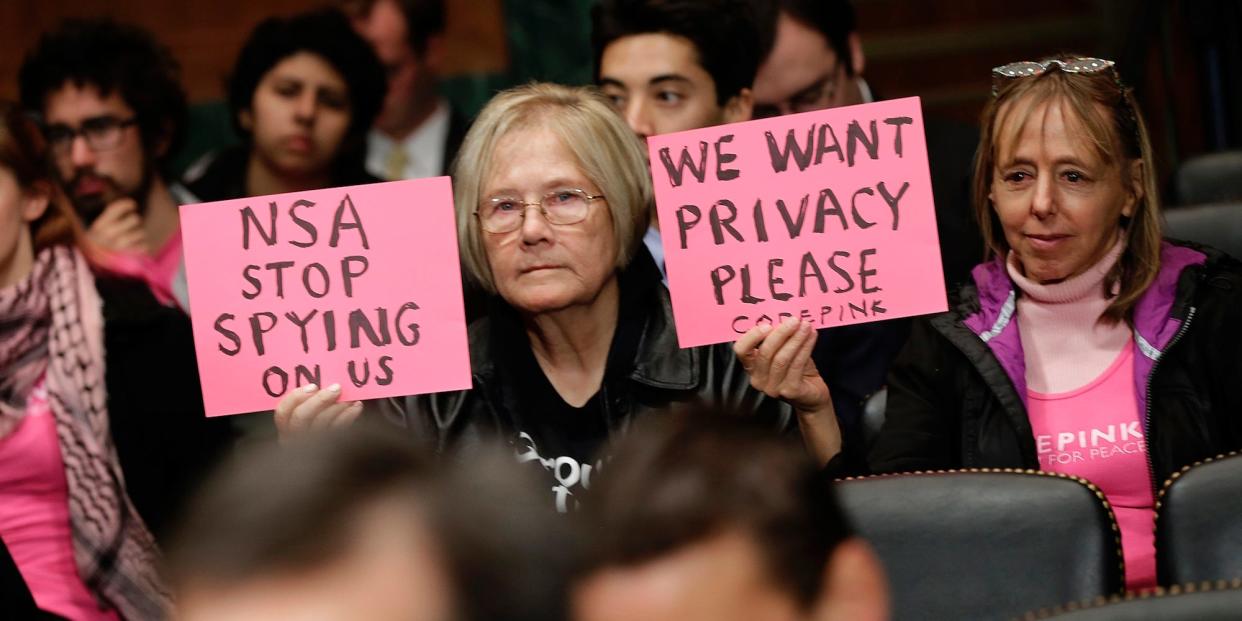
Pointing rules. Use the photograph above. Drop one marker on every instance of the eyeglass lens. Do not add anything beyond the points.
(503, 213)
(101, 133)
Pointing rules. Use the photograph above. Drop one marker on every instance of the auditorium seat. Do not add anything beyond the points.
(1199, 523)
(986, 544)
(1217, 225)
(1209, 178)
(1221, 601)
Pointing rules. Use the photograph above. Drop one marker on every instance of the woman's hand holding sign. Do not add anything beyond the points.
(778, 360)
(309, 407)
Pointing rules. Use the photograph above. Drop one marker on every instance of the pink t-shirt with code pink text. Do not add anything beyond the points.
(1096, 432)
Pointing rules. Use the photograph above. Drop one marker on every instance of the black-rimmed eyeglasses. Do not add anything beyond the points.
(101, 133)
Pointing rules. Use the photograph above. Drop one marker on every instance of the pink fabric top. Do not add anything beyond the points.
(158, 270)
(34, 515)
(166, 262)
(1095, 432)
(1064, 344)
(1081, 400)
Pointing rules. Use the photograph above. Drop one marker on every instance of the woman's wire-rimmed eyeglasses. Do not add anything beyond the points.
(505, 214)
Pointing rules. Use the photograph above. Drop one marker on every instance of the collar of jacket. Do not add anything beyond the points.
(986, 308)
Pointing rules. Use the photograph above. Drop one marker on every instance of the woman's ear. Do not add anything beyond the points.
(740, 107)
(1137, 184)
(35, 201)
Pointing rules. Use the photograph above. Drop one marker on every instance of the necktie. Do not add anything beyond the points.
(394, 167)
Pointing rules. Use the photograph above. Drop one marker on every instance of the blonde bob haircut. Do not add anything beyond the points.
(1104, 114)
(606, 150)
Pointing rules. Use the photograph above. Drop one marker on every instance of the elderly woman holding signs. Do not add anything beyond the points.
(1087, 345)
(552, 195)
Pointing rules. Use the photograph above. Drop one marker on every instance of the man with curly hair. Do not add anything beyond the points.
(113, 110)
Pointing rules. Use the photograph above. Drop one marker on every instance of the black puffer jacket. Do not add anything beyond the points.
(956, 391)
(165, 443)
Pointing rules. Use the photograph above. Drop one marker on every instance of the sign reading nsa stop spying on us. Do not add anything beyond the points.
(824, 216)
(358, 286)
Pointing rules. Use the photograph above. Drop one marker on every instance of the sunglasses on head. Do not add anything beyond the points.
(1029, 68)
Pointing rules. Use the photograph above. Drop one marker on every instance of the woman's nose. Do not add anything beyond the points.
(1043, 198)
(307, 106)
(535, 226)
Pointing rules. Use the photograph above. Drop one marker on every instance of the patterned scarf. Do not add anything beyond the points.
(52, 322)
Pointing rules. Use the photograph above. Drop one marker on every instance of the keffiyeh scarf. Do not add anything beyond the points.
(51, 324)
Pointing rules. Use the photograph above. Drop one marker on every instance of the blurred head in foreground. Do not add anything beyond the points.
(359, 525)
(701, 515)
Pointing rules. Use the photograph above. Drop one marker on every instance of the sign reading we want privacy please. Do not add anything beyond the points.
(824, 216)
(358, 286)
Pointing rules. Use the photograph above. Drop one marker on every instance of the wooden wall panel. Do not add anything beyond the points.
(205, 35)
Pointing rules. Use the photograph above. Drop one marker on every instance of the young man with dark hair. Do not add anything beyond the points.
(675, 65)
(417, 133)
(701, 515)
(113, 111)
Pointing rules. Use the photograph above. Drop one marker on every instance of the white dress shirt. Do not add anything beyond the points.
(424, 148)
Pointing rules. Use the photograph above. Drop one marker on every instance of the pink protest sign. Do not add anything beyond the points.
(825, 216)
(358, 286)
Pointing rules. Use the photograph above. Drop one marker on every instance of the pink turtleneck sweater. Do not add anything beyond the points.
(1081, 401)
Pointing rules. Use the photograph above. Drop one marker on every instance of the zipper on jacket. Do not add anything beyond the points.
(1151, 466)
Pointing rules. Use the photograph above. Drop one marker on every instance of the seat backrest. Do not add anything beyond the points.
(1199, 523)
(1217, 225)
(986, 544)
(1210, 178)
(1207, 602)
(874, 410)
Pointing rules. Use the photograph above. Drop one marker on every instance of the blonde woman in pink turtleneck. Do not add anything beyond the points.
(1086, 344)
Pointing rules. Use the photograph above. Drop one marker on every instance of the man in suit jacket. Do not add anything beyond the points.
(417, 132)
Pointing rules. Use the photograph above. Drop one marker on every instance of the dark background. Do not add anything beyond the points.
(1183, 58)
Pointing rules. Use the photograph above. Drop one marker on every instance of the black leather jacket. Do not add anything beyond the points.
(661, 376)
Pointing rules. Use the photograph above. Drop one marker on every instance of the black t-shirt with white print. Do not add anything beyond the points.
(566, 440)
